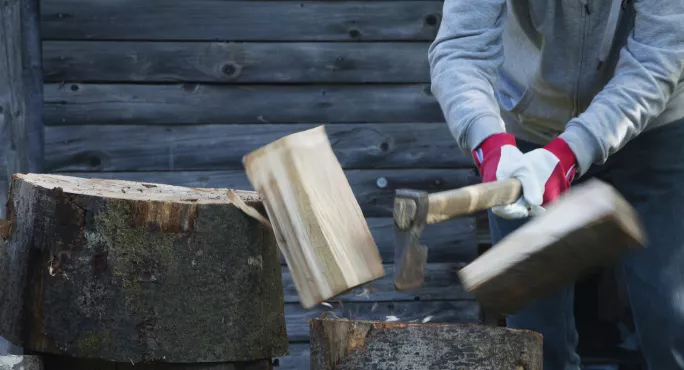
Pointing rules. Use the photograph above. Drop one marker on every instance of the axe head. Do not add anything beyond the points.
(410, 215)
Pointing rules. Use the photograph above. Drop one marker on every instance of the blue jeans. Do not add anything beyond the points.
(649, 173)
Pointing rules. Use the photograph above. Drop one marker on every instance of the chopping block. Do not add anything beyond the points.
(343, 344)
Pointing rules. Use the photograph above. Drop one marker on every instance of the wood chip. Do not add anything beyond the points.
(250, 211)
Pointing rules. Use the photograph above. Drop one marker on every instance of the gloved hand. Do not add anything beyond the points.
(544, 173)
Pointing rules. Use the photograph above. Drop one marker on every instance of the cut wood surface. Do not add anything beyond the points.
(298, 318)
(441, 283)
(21, 362)
(190, 103)
(221, 147)
(587, 228)
(128, 271)
(240, 20)
(316, 219)
(236, 62)
(352, 344)
(374, 189)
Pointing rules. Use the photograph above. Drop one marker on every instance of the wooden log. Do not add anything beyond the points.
(54, 362)
(21, 362)
(128, 271)
(21, 100)
(350, 344)
(317, 221)
(81, 104)
(236, 62)
(221, 147)
(241, 20)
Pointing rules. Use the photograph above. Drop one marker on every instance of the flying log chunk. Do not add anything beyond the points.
(316, 218)
(131, 272)
(342, 344)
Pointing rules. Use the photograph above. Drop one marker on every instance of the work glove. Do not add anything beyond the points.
(544, 173)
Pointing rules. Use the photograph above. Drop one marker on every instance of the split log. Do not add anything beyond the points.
(346, 344)
(317, 220)
(18, 362)
(127, 271)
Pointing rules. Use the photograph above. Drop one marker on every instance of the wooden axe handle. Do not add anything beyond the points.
(470, 199)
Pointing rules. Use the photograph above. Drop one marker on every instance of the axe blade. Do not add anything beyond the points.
(410, 215)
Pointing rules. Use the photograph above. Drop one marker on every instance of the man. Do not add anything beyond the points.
(556, 91)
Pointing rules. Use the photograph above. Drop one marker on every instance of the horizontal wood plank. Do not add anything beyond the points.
(298, 358)
(441, 283)
(297, 318)
(373, 189)
(236, 62)
(221, 147)
(73, 104)
(239, 20)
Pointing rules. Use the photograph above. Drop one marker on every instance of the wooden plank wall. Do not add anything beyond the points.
(178, 91)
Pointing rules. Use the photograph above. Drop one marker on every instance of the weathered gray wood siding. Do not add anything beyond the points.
(178, 91)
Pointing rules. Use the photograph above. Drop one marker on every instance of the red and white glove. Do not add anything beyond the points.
(544, 173)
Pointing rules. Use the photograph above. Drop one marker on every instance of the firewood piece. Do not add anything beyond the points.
(151, 273)
(21, 362)
(589, 227)
(317, 220)
(349, 344)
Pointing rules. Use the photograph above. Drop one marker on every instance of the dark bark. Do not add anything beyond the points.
(368, 345)
(128, 271)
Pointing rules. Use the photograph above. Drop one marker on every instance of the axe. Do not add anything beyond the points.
(590, 225)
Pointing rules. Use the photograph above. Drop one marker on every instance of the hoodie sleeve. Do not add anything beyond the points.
(647, 73)
(464, 59)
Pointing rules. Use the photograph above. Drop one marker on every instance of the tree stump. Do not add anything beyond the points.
(132, 272)
(19, 362)
(349, 344)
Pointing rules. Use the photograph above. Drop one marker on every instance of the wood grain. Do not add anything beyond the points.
(360, 344)
(316, 219)
(465, 311)
(95, 263)
(80, 104)
(235, 62)
(441, 283)
(240, 20)
(21, 93)
(374, 189)
(220, 147)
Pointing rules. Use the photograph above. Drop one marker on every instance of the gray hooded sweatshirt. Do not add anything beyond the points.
(596, 72)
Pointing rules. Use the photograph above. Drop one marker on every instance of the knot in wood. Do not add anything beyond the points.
(231, 70)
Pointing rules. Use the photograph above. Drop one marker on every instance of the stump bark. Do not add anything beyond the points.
(132, 272)
(348, 344)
